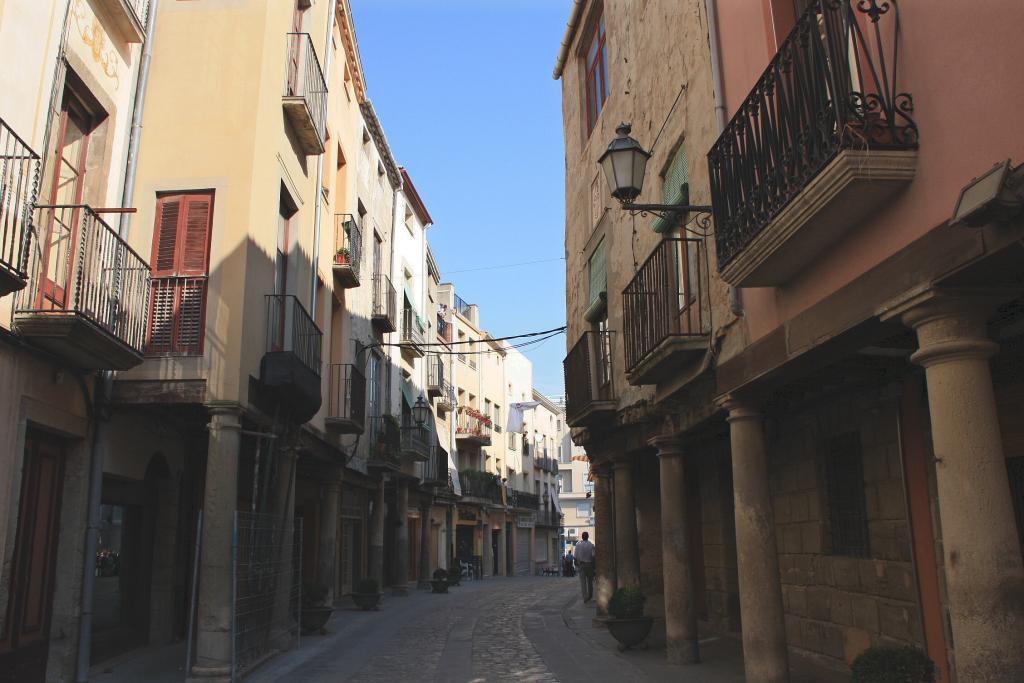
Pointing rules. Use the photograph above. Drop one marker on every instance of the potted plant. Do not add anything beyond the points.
(342, 256)
(455, 575)
(366, 594)
(892, 665)
(314, 613)
(626, 621)
(439, 584)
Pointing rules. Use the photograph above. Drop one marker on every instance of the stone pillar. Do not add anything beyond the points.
(449, 539)
(220, 498)
(375, 554)
(425, 570)
(765, 659)
(327, 571)
(284, 510)
(627, 554)
(402, 540)
(983, 567)
(677, 570)
(604, 539)
(486, 551)
(502, 550)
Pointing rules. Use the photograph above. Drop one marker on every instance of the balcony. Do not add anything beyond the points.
(434, 471)
(384, 436)
(19, 180)
(413, 334)
(473, 427)
(348, 250)
(305, 94)
(438, 385)
(346, 402)
(291, 364)
(667, 311)
(549, 517)
(482, 486)
(417, 442)
(824, 138)
(590, 396)
(545, 464)
(385, 311)
(444, 329)
(87, 296)
(126, 18)
(523, 500)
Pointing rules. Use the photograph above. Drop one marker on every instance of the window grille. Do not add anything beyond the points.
(844, 471)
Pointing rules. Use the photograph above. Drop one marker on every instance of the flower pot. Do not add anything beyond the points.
(313, 619)
(366, 601)
(340, 259)
(629, 631)
(439, 585)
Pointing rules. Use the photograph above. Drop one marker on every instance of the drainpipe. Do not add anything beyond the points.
(105, 383)
(318, 211)
(711, 9)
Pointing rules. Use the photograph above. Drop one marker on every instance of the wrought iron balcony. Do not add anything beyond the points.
(434, 471)
(291, 364)
(481, 485)
(463, 308)
(590, 394)
(127, 17)
(19, 183)
(305, 94)
(549, 517)
(346, 402)
(438, 385)
(385, 303)
(88, 292)
(823, 138)
(523, 500)
(417, 441)
(666, 311)
(473, 426)
(444, 329)
(384, 436)
(413, 334)
(348, 250)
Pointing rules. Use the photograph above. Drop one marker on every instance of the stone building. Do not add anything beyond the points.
(800, 416)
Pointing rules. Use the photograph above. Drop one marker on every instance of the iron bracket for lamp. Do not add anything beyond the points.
(702, 213)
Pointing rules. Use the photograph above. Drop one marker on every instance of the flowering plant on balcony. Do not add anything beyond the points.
(342, 256)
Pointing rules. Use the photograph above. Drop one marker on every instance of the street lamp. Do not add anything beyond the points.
(420, 411)
(625, 165)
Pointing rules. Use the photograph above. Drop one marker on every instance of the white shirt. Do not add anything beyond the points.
(584, 551)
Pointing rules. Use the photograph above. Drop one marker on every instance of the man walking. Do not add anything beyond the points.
(585, 565)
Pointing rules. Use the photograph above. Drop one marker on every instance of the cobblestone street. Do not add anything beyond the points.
(530, 630)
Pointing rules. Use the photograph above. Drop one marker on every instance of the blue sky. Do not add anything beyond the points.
(464, 91)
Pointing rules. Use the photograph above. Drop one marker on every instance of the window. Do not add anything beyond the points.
(566, 484)
(596, 77)
(497, 418)
(180, 262)
(512, 441)
(844, 472)
(584, 510)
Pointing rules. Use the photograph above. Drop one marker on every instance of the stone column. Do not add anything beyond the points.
(502, 550)
(627, 554)
(677, 570)
(984, 572)
(604, 539)
(765, 659)
(327, 571)
(425, 571)
(486, 551)
(220, 498)
(449, 538)
(284, 511)
(375, 554)
(402, 540)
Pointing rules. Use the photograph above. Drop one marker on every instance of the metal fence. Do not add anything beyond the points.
(290, 328)
(266, 593)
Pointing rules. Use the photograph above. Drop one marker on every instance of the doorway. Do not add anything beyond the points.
(25, 641)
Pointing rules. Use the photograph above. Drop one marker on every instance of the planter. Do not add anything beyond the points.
(439, 585)
(313, 619)
(340, 260)
(366, 601)
(629, 631)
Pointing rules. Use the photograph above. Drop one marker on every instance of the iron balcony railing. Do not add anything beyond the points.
(348, 242)
(306, 80)
(437, 381)
(413, 329)
(473, 424)
(444, 329)
(434, 471)
(384, 437)
(668, 297)
(549, 517)
(19, 183)
(416, 440)
(291, 329)
(347, 398)
(80, 266)
(384, 299)
(477, 484)
(461, 307)
(524, 500)
(831, 86)
(588, 373)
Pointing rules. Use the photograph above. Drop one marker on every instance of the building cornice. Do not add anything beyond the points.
(351, 45)
(381, 141)
(575, 18)
(413, 195)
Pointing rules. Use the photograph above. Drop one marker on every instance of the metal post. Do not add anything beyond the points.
(234, 599)
(195, 592)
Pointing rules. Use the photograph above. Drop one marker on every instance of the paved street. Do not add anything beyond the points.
(518, 629)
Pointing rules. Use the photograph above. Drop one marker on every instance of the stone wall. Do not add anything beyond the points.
(836, 605)
(718, 528)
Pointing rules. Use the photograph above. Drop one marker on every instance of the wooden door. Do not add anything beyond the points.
(24, 643)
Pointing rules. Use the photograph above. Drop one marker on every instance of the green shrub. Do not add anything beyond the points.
(627, 603)
(313, 594)
(892, 665)
(440, 574)
(367, 586)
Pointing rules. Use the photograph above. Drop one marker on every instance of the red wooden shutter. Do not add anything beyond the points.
(194, 243)
(165, 235)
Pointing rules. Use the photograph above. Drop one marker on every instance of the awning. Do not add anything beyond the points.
(408, 392)
(554, 501)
